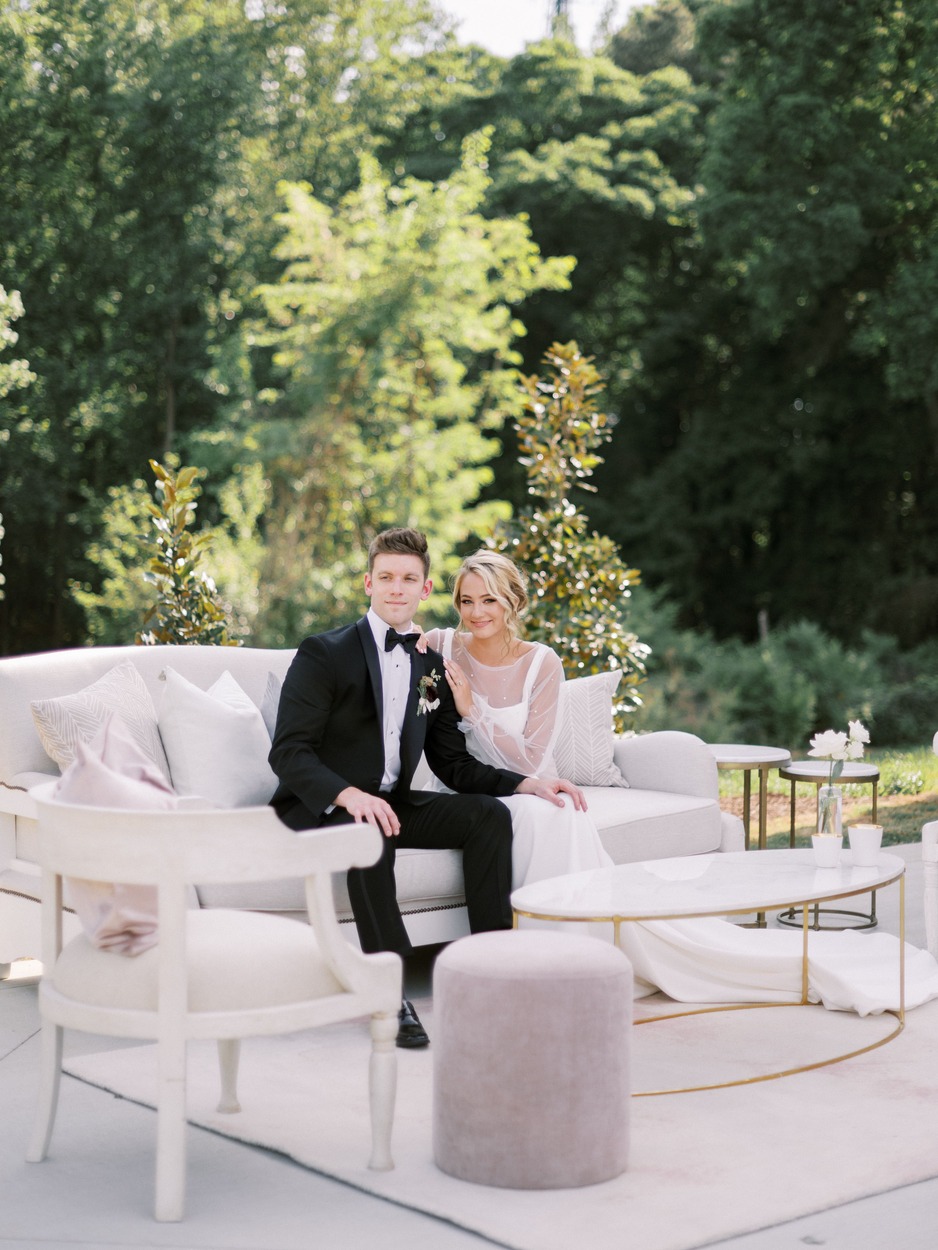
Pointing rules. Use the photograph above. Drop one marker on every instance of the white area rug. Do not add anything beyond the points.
(704, 1166)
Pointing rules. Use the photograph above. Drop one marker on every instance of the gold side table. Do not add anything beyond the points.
(740, 756)
(817, 772)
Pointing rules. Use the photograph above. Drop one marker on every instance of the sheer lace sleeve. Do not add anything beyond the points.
(435, 639)
(515, 728)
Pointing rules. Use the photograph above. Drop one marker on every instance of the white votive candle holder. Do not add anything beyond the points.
(865, 843)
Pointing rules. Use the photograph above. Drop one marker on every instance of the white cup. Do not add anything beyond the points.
(865, 841)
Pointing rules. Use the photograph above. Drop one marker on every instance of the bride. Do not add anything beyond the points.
(507, 693)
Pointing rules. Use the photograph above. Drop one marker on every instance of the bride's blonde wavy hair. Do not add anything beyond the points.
(502, 579)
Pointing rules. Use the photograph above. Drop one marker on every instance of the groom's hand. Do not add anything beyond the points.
(551, 788)
(369, 809)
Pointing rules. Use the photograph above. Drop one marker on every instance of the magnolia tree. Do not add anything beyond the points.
(580, 587)
(188, 608)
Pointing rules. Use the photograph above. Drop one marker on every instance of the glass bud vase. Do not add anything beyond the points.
(830, 808)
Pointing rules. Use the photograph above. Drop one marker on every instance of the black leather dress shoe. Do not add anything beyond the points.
(410, 1032)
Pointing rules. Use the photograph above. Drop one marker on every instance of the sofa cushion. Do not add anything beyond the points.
(216, 742)
(652, 824)
(71, 719)
(112, 771)
(425, 879)
(584, 744)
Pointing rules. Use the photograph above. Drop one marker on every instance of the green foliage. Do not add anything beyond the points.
(901, 781)
(579, 585)
(753, 216)
(393, 328)
(188, 608)
(782, 690)
(817, 207)
(13, 373)
(121, 556)
(907, 711)
(657, 35)
(142, 144)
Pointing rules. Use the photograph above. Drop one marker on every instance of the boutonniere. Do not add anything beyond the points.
(429, 697)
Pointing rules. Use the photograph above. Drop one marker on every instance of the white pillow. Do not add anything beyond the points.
(584, 744)
(216, 742)
(73, 718)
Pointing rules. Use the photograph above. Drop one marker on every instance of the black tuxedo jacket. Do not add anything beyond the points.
(330, 735)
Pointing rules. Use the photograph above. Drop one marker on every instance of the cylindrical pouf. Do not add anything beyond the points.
(531, 1044)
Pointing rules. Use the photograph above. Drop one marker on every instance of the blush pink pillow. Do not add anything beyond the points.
(112, 771)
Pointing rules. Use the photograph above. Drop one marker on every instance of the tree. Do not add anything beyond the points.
(394, 328)
(655, 36)
(579, 604)
(188, 608)
(798, 473)
(142, 144)
(603, 164)
(13, 373)
(117, 121)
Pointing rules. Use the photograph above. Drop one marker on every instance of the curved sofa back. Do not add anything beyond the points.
(49, 674)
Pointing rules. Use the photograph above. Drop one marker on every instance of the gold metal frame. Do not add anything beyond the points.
(805, 904)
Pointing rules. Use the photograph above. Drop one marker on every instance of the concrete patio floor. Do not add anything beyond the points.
(245, 1198)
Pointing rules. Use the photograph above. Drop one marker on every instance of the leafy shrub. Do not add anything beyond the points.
(907, 711)
(783, 690)
(910, 782)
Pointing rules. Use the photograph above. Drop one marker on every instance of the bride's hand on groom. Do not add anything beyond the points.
(462, 692)
(553, 789)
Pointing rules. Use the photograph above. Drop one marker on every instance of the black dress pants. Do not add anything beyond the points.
(477, 824)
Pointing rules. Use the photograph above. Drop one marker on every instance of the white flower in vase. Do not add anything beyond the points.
(837, 747)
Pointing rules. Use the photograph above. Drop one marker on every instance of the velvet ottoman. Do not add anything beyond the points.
(531, 1081)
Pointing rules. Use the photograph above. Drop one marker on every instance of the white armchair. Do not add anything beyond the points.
(213, 973)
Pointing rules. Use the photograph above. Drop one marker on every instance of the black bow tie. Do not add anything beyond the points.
(407, 641)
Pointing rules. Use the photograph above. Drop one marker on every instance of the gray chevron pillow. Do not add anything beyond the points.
(73, 718)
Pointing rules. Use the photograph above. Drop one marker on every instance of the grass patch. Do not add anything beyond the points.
(908, 797)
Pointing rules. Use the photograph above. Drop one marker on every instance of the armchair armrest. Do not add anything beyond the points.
(671, 761)
(930, 861)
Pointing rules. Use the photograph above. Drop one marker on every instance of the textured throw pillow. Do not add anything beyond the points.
(216, 742)
(73, 718)
(583, 748)
(112, 771)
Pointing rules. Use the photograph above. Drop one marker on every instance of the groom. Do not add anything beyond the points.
(358, 707)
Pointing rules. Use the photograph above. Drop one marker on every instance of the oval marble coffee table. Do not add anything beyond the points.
(721, 884)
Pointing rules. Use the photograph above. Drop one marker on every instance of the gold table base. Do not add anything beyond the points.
(898, 1016)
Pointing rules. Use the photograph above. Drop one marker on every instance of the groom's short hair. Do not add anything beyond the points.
(400, 542)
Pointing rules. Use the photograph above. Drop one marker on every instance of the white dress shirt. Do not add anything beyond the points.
(395, 684)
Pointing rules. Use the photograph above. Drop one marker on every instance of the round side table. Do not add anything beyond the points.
(739, 756)
(817, 772)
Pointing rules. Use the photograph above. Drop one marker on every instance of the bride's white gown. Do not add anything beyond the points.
(697, 961)
(547, 841)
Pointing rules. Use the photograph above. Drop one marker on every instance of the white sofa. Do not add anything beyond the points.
(670, 808)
